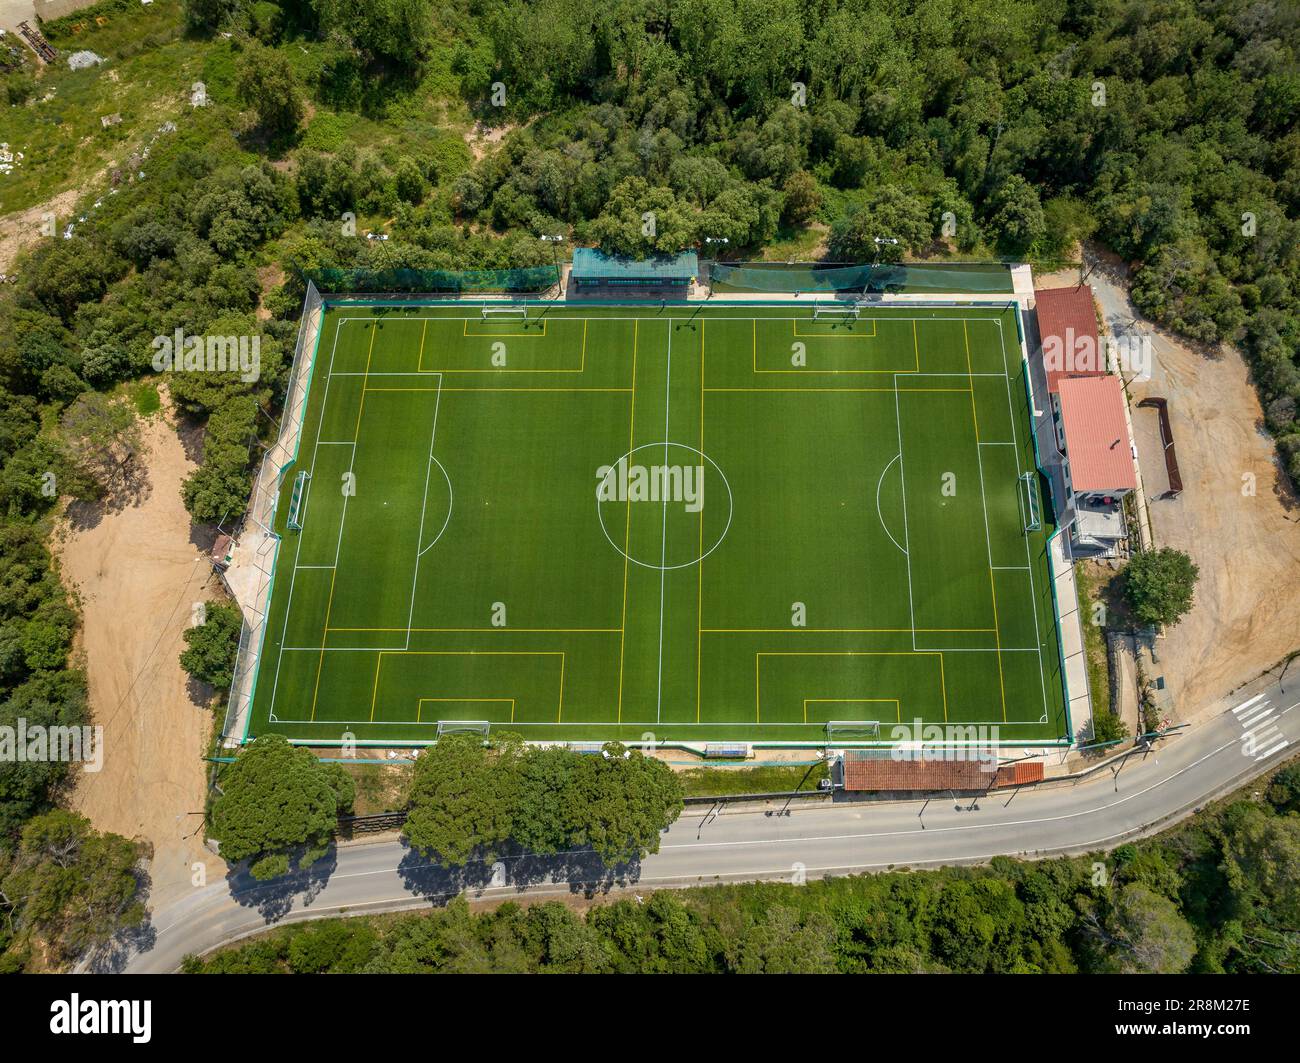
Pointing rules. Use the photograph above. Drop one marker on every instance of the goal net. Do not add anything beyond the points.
(1033, 518)
(510, 312)
(296, 499)
(852, 730)
(449, 727)
(835, 312)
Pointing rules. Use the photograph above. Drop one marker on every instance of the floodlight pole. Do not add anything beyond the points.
(554, 241)
(879, 241)
(713, 240)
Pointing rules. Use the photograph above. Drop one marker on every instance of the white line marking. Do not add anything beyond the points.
(663, 554)
(1247, 704)
(879, 484)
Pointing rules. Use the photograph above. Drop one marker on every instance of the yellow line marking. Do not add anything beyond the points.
(832, 630)
(758, 656)
(824, 336)
(315, 692)
(522, 630)
(898, 707)
(419, 708)
(824, 372)
(582, 366)
(498, 390)
(627, 530)
(503, 335)
(374, 694)
(818, 391)
(993, 587)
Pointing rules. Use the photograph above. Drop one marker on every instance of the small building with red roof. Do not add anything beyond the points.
(1089, 409)
(1097, 447)
(1067, 324)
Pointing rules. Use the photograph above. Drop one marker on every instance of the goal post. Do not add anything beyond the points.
(1029, 494)
(835, 311)
(296, 499)
(852, 731)
(508, 311)
(478, 727)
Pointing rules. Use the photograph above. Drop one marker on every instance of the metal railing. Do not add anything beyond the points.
(258, 531)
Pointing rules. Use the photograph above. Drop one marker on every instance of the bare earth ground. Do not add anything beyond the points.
(1246, 615)
(138, 573)
(23, 228)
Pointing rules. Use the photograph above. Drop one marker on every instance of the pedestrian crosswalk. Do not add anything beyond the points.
(1261, 736)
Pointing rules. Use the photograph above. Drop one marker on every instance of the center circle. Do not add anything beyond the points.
(661, 470)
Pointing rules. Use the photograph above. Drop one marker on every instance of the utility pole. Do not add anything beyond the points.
(555, 241)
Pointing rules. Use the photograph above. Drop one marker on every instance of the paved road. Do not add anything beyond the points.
(1140, 795)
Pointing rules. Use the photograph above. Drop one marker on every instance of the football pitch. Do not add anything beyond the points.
(673, 523)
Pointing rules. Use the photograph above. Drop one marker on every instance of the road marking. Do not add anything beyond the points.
(1247, 704)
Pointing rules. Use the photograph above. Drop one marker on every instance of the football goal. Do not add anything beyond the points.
(1033, 518)
(511, 312)
(835, 312)
(450, 727)
(852, 731)
(297, 499)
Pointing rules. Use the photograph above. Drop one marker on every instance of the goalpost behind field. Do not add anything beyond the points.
(1029, 497)
(513, 311)
(479, 727)
(836, 311)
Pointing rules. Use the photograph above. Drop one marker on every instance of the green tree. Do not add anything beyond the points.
(47, 699)
(621, 803)
(1144, 932)
(72, 886)
(331, 947)
(802, 198)
(1160, 584)
(275, 798)
(641, 220)
(103, 436)
(891, 213)
(209, 653)
(408, 181)
(784, 942)
(265, 81)
(397, 30)
(463, 798)
(1107, 726)
(1016, 215)
(1262, 857)
(1284, 789)
(209, 14)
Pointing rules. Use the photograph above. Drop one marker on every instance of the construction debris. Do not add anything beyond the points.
(82, 60)
(37, 40)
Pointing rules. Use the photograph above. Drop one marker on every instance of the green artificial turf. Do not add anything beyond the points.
(860, 477)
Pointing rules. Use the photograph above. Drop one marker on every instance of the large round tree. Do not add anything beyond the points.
(1160, 584)
(277, 798)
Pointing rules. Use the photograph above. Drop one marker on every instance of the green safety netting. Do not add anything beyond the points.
(974, 277)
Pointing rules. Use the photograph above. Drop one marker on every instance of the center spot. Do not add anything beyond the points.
(663, 505)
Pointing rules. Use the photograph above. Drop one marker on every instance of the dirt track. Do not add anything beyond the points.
(138, 573)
